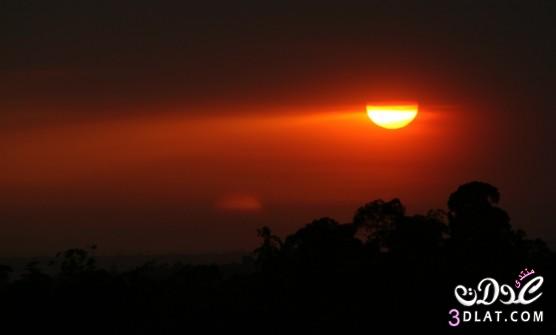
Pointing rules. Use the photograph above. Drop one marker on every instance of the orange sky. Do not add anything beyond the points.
(183, 127)
(284, 166)
(242, 153)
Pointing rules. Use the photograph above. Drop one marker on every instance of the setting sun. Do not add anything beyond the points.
(392, 116)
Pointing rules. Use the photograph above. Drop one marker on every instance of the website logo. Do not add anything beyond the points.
(489, 292)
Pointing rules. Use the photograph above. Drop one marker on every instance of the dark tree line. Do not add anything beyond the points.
(385, 270)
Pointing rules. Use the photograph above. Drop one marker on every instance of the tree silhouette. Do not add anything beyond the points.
(419, 234)
(5, 273)
(481, 234)
(384, 270)
(267, 256)
(376, 220)
(76, 261)
(474, 216)
(321, 242)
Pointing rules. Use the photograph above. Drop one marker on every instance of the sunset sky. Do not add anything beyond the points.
(163, 127)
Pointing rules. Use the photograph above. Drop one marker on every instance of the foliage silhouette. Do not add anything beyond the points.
(384, 270)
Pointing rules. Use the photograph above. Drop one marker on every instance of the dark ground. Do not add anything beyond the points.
(383, 271)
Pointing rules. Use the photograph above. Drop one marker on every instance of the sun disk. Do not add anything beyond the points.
(392, 116)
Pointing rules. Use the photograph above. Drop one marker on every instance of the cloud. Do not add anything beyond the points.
(239, 202)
